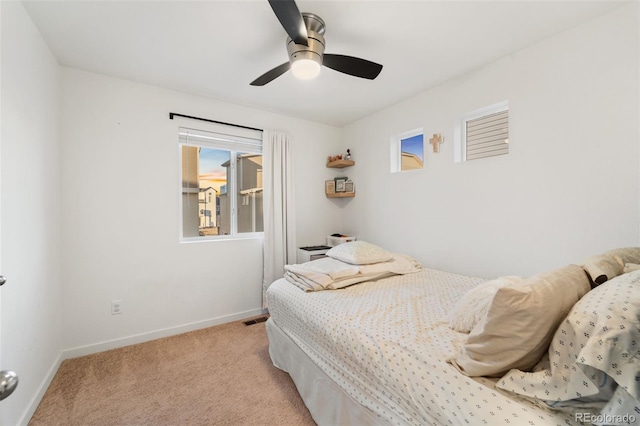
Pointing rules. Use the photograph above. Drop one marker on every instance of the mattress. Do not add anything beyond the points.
(386, 343)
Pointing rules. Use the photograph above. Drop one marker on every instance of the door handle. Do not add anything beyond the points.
(8, 383)
(8, 379)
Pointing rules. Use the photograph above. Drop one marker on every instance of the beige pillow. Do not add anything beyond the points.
(630, 267)
(626, 254)
(591, 353)
(602, 267)
(521, 322)
(473, 306)
(610, 264)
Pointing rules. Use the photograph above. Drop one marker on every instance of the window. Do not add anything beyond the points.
(407, 151)
(483, 133)
(221, 191)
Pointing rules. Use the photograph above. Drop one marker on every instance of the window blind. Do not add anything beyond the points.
(487, 136)
(249, 141)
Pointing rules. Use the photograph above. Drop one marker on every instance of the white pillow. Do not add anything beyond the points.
(473, 306)
(521, 322)
(359, 253)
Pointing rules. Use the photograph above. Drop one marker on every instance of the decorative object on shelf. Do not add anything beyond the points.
(349, 186)
(348, 156)
(436, 140)
(340, 187)
(340, 184)
(329, 186)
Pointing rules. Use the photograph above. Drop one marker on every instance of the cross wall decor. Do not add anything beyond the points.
(436, 140)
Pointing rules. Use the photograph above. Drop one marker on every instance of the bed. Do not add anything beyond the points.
(383, 352)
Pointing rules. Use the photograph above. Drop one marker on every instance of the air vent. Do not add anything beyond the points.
(255, 321)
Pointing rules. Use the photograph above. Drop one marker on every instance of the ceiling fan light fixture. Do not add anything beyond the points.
(306, 68)
(305, 46)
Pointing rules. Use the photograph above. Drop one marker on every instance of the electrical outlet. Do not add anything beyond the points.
(116, 307)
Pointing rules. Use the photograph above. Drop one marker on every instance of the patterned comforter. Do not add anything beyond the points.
(386, 344)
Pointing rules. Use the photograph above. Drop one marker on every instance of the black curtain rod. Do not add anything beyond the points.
(173, 114)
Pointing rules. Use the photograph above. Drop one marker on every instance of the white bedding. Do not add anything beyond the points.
(332, 274)
(385, 344)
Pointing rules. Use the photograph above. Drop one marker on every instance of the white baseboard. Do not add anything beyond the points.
(152, 335)
(35, 401)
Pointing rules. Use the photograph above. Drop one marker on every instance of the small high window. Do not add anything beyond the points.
(483, 133)
(407, 151)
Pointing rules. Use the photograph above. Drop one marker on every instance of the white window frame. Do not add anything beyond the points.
(395, 153)
(234, 140)
(460, 130)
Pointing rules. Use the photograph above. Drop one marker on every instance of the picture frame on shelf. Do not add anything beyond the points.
(330, 187)
(349, 186)
(340, 184)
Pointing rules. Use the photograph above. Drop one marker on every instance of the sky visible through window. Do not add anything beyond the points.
(413, 145)
(212, 172)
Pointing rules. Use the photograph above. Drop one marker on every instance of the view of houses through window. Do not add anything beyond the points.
(221, 189)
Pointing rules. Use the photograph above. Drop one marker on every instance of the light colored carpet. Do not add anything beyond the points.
(216, 376)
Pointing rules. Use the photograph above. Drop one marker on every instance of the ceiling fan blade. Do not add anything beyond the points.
(353, 66)
(289, 16)
(271, 74)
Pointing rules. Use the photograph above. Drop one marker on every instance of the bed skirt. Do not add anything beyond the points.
(327, 402)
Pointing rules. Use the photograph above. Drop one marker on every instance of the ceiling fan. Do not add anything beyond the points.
(305, 46)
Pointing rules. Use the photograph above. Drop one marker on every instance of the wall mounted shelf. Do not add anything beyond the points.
(341, 195)
(340, 164)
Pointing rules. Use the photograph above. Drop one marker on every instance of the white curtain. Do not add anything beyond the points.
(279, 208)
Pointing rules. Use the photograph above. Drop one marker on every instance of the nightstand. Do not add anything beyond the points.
(306, 254)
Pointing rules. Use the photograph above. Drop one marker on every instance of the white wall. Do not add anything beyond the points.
(30, 216)
(569, 187)
(120, 159)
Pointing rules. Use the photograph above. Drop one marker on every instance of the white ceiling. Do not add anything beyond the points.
(216, 48)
